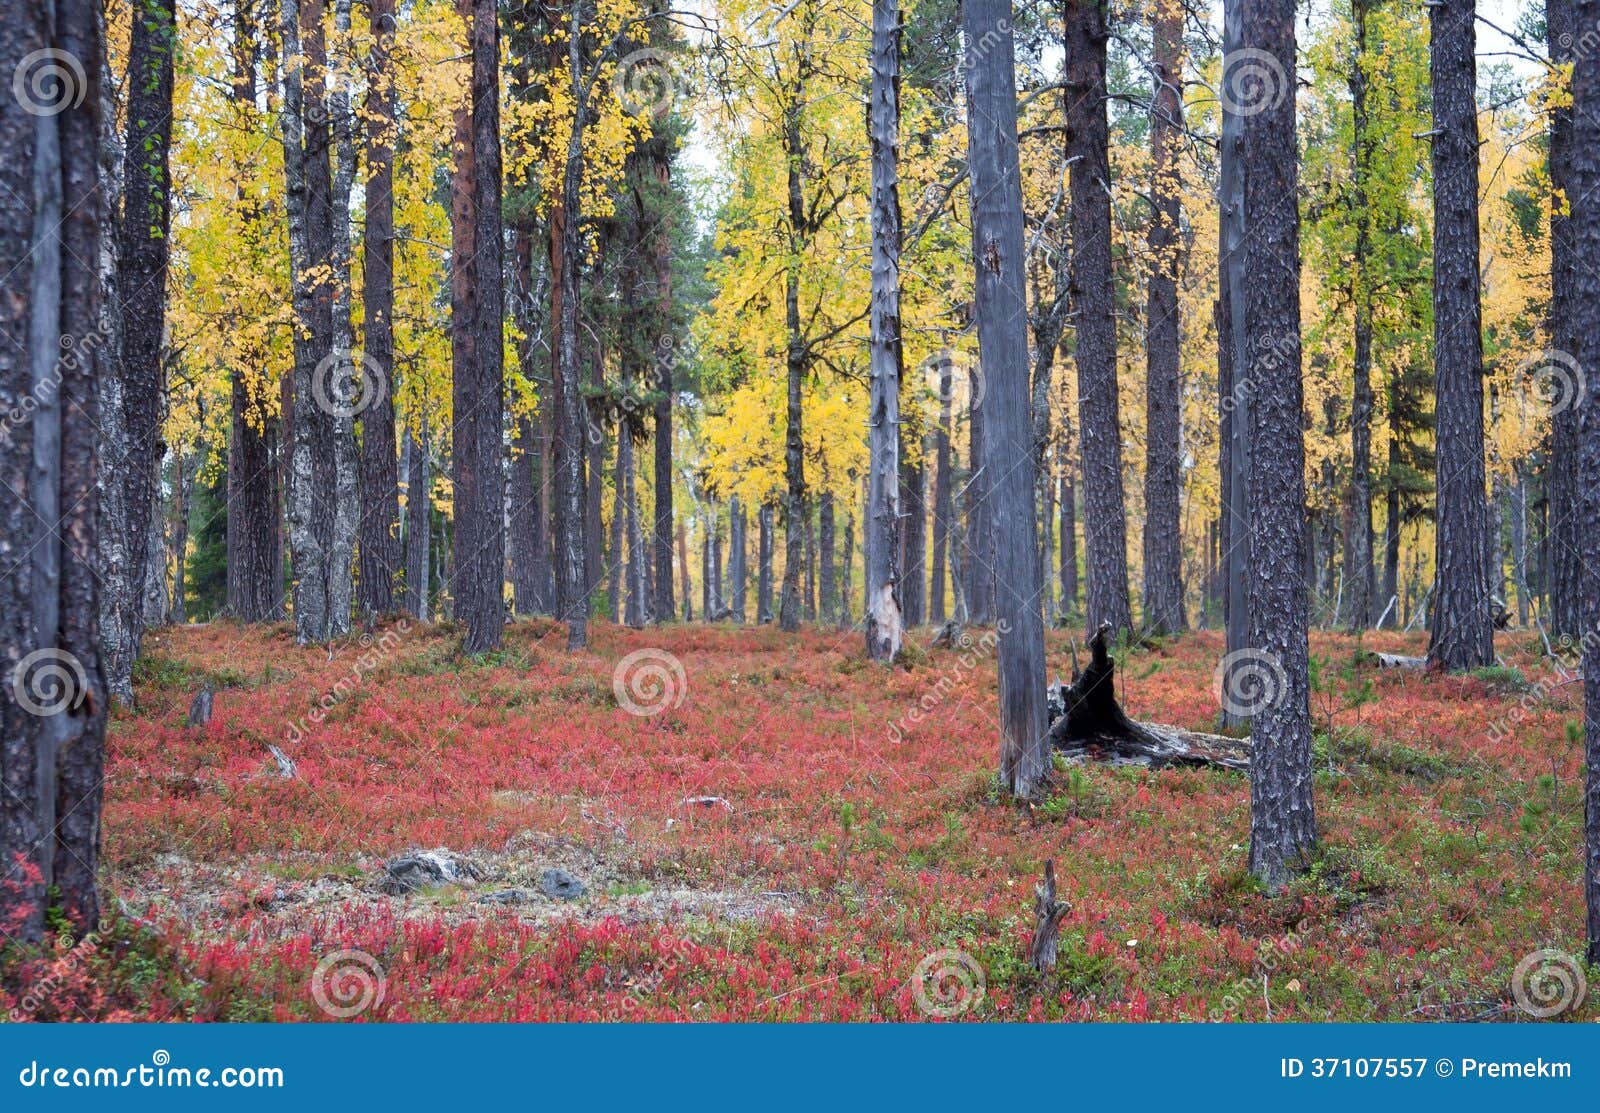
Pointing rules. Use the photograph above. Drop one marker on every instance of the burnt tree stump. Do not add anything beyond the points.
(1092, 725)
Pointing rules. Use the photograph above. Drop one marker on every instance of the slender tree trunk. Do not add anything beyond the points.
(1234, 357)
(417, 538)
(885, 621)
(1358, 502)
(978, 551)
(346, 492)
(571, 527)
(142, 289)
(478, 407)
(1282, 819)
(943, 496)
(683, 571)
(1069, 541)
(829, 610)
(847, 564)
(661, 156)
(1565, 510)
(1105, 524)
(1584, 175)
(1461, 634)
(764, 564)
(1163, 484)
(1001, 310)
(380, 480)
(913, 532)
(797, 364)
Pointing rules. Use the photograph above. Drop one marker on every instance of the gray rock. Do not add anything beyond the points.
(508, 896)
(426, 869)
(561, 885)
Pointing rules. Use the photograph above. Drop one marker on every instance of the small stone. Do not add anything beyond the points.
(507, 896)
(561, 885)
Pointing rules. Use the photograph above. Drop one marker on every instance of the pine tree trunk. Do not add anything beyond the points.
(978, 551)
(52, 687)
(1163, 484)
(943, 497)
(417, 538)
(142, 290)
(1001, 310)
(379, 477)
(1565, 510)
(1105, 523)
(913, 533)
(1358, 501)
(1282, 819)
(885, 620)
(660, 148)
(797, 364)
(1461, 634)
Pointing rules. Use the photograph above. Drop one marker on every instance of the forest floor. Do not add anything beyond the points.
(799, 835)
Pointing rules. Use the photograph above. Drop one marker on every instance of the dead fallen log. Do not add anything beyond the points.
(1400, 661)
(1089, 723)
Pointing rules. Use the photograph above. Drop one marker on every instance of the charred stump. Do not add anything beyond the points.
(1047, 915)
(1090, 723)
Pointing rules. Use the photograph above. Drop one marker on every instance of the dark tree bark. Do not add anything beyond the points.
(1358, 500)
(660, 150)
(380, 479)
(1282, 819)
(978, 551)
(797, 365)
(1461, 634)
(478, 382)
(255, 541)
(417, 534)
(1105, 522)
(528, 540)
(1565, 511)
(764, 564)
(1001, 309)
(943, 496)
(142, 287)
(346, 465)
(52, 685)
(1584, 171)
(885, 620)
(826, 541)
(738, 558)
(1163, 482)
(913, 532)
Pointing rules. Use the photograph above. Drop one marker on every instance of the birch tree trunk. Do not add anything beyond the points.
(1001, 310)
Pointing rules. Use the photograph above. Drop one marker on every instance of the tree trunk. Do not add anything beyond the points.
(1069, 540)
(797, 364)
(571, 528)
(418, 502)
(978, 552)
(380, 481)
(660, 147)
(356, 378)
(1584, 171)
(764, 546)
(1163, 483)
(885, 621)
(913, 533)
(52, 688)
(943, 492)
(478, 382)
(829, 610)
(1358, 502)
(142, 289)
(1001, 310)
(1282, 820)
(1565, 510)
(1461, 634)
(1105, 533)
